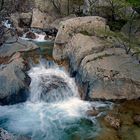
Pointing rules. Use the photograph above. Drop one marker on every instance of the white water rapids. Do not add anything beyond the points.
(39, 38)
(54, 110)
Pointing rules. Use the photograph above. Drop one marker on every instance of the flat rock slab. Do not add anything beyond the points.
(8, 49)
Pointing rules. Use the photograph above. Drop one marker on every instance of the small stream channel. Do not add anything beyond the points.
(54, 109)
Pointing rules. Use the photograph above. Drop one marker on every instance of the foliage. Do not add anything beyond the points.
(57, 5)
(77, 2)
(134, 2)
(129, 43)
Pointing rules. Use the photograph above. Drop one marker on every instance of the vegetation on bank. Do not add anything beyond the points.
(134, 2)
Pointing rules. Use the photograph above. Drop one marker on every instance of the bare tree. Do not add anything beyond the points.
(57, 5)
(1, 4)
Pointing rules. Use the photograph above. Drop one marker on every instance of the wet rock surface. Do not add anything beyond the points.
(93, 112)
(30, 35)
(13, 79)
(126, 113)
(8, 49)
(113, 122)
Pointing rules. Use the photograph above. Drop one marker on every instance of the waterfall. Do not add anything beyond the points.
(50, 83)
(54, 110)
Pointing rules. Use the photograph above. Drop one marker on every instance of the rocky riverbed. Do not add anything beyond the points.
(78, 78)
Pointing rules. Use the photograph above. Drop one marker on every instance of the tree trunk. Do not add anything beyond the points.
(1, 5)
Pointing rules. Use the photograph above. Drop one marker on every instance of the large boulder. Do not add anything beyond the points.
(56, 23)
(8, 49)
(85, 25)
(13, 81)
(95, 60)
(41, 19)
(13, 78)
(38, 19)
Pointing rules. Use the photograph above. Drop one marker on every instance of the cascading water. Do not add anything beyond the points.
(51, 84)
(54, 110)
(39, 37)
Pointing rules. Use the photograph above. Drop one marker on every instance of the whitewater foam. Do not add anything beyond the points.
(64, 117)
(39, 38)
(52, 83)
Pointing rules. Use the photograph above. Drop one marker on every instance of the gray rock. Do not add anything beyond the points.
(86, 25)
(8, 49)
(112, 76)
(9, 35)
(56, 24)
(10, 40)
(12, 79)
(38, 19)
(80, 46)
(110, 73)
